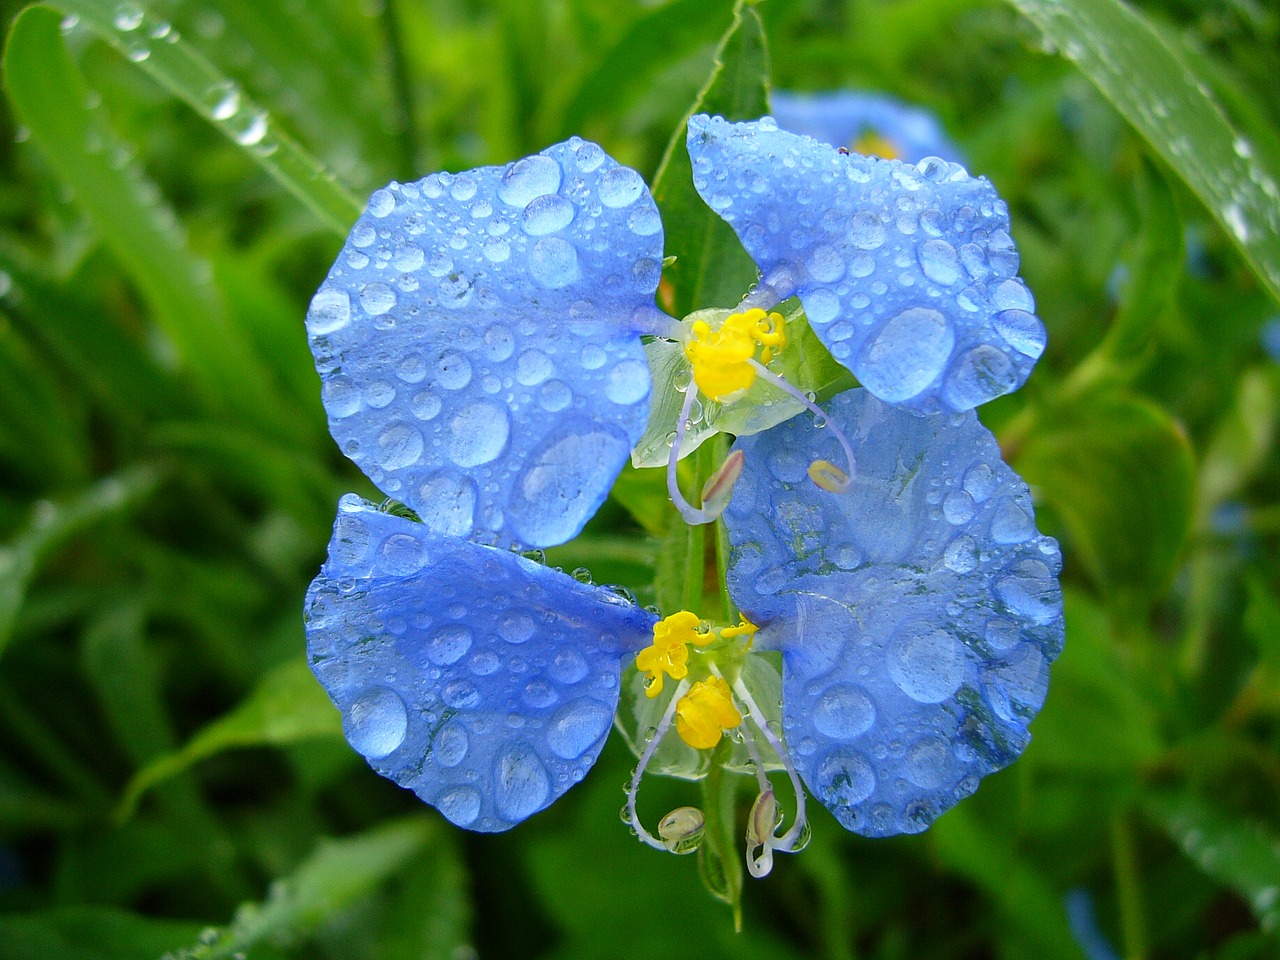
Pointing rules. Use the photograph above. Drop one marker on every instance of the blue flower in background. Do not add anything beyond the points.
(867, 123)
(478, 342)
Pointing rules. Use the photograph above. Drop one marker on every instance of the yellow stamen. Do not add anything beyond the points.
(873, 144)
(745, 627)
(828, 476)
(719, 357)
(705, 713)
(669, 652)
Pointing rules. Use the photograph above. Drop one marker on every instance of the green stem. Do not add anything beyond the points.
(1133, 924)
(402, 92)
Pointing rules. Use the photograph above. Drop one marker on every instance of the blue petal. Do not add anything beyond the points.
(478, 340)
(917, 613)
(842, 118)
(481, 681)
(907, 274)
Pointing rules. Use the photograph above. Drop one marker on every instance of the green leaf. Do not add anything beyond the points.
(1151, 80)
(287, 706)
(1155, 265)
(1096, 720)
(90, 933)
(711, 268)
(152, 43)
(1242, 856)
(1021, 894)
(1242, 442)
(337, 874)
(1262, 624)
(51, 98)
(1120, 474)
(53, 523)
(668, 32)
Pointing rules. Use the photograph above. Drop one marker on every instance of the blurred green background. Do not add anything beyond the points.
(174, 782)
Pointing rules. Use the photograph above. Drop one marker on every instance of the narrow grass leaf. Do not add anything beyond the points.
(1152, 81)
(287, 706)
(151, 42)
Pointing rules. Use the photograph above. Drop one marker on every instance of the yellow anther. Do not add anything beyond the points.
(705, 713)
(669, 652)
(719, 357)
(873, 144)
(828, 476)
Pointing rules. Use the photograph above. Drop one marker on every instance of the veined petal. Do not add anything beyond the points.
(478, 339)
(848, 118)
(483, 682)
(917, 613)
(907, 274)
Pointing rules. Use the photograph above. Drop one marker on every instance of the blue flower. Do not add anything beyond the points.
(868, 123)
(478, 342)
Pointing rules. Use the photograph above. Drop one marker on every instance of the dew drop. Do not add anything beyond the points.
(927, 664)
(547, 214)
(906, 355)
(576, 727)
(627, 383)
(377, 299)
(529, 178)
(461, 805)
(478, 434)
(452, 501)
(978, 376)
(376, 722)
(620, 187)
(866, 231)
(449, 644)
(450, 745)
(553, 262)
(844, 712)
(939, 261)
(399, 446)
(521, 785)
(844, 778)
(330, 310)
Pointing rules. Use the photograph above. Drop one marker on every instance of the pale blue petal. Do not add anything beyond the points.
(917, 614)
(843, 117)
(907, 274)
(483, 682)
(478, 340)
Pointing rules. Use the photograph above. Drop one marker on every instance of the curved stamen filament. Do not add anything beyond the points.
(633, 791)
(691, 514)
(787, 842)
(824, 473)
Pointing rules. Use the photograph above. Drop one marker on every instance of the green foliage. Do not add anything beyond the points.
(173, 782)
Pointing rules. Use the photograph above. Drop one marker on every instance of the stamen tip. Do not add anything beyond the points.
(829, 477)
(719, 486)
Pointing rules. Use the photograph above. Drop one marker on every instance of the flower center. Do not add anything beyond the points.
(873, 144)
(705, 713)
(720, 357)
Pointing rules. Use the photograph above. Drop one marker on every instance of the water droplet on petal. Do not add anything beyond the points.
(553, 262)
(1023, 331)
(478, 434)
(529, 178)
(926, 663)
(620, 187)
(908, 353)
(546, 215)
(461, 805)
(844, 712)
(376, 722)
(521, 785)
